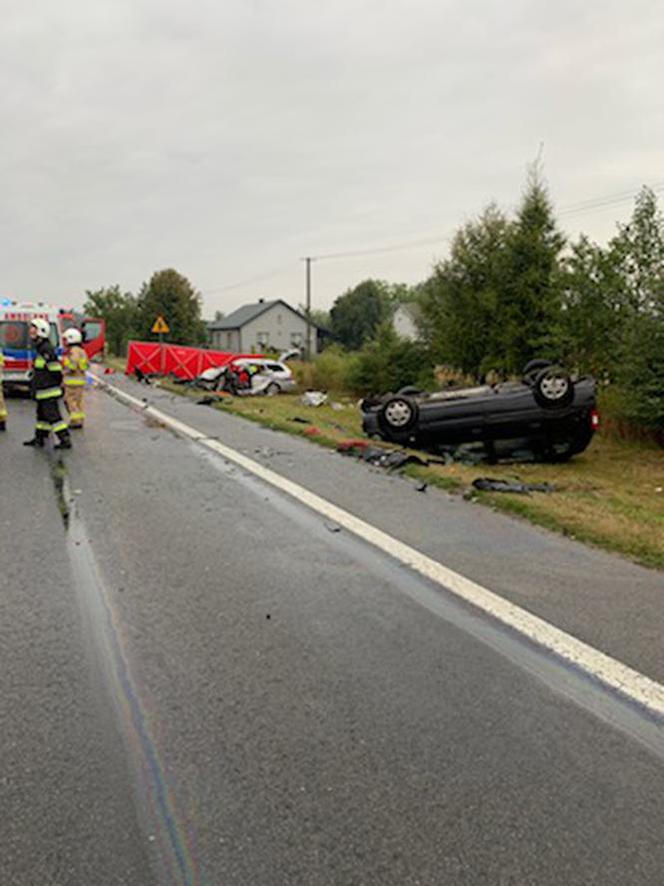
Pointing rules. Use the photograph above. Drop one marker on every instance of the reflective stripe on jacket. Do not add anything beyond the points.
(75, 366)
(47, 376)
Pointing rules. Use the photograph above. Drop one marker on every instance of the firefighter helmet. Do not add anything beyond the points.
(72, 336)
(41, 327)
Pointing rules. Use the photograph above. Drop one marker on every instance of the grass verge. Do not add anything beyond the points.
(612, 495)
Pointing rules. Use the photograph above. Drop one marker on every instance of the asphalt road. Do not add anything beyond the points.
(202, 683)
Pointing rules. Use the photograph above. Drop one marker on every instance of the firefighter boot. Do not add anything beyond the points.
(64, 440)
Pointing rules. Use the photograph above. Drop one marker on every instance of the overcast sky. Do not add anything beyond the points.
(228, 138)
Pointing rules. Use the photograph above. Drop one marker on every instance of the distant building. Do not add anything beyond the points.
(263, 326)
(406, 321)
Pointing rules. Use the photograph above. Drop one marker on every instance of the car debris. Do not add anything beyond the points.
(313, 398)
(381, 457)
(491, 484)
(348, 445)
(146, 378)
(392, 460)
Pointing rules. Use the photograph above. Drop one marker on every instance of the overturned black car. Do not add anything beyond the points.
(546, 412)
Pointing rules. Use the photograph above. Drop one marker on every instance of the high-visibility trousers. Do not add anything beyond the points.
(49, 420)
(74, 403)
(3, 408)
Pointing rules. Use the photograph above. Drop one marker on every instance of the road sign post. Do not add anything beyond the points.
(160, 327)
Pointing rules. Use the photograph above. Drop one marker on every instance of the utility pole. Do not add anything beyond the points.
(307, 262)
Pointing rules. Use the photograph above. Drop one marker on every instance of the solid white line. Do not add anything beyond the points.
(613, 674)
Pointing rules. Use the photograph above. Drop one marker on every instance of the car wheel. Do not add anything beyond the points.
(272, 389)
(398, 415)
(533, 367)
(553, 388)
(368, 404)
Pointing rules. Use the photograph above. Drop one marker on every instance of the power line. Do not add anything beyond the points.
(395, 247)
(584, 206)
(605, 202)
(248, 281)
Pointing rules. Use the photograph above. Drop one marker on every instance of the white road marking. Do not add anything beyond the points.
(613, 674)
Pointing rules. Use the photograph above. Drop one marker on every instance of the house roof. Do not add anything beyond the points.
(247, 313)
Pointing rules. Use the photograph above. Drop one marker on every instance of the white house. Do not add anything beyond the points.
(406, 320)
(262, 326)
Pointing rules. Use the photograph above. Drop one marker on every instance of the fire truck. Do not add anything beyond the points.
(93, 330)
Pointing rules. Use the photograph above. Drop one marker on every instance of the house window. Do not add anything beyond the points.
(279, 319)
(263, 339)
(229, 339)
(296, 339)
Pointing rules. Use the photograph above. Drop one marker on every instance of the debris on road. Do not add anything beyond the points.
(145, 378)
(381, 457)
(348, 445)
(267, 452)
(332, 527)
(490, 484)
(314, 398)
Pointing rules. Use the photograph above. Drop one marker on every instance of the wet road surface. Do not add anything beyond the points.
(202, 683)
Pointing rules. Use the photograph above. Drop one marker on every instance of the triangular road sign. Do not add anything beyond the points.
(160, 327)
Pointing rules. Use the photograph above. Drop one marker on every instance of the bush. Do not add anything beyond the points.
(330, 371)
(617, 421)
(389, 363)
(641, 375)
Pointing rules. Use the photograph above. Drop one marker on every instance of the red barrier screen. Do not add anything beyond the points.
(183, 362)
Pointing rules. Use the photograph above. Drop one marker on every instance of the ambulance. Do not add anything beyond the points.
(15, 341)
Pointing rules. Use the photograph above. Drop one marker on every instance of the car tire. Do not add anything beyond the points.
(272, 389)
(398, 415)
(368, 404)
(533, 367)
(553, 388)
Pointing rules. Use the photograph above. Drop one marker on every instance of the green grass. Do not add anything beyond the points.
(607, 496)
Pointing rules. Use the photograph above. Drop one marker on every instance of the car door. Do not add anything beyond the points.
(514, 413)
(454, 418)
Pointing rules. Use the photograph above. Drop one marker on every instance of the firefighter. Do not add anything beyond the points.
(75, 366)
(3, 408)
(47, 389)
